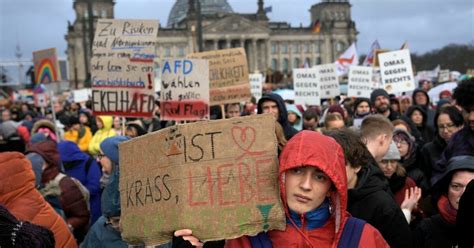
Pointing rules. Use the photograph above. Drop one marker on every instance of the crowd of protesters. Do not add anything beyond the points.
(384, 171)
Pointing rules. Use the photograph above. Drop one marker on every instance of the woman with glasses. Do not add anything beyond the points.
(411, 159)
(448, 121)
(440, 230)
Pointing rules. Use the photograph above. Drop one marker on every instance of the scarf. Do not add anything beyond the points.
(447, 212)
(313, 219)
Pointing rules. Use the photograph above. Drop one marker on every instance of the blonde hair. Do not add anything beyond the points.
(374, 125)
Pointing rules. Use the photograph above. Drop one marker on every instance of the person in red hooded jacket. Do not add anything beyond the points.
(313, 186)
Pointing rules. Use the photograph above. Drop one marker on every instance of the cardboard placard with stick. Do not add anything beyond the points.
(217, 178)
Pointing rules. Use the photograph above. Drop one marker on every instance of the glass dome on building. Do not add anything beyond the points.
(208, 7)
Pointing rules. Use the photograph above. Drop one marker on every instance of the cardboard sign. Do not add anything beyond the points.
(217, 178)
(256, 85)
(328, 80)
(46, 66)
(228, 75)
(377, 52)
(396, 70)
(444, 76)
(122, 67)
(306, 86)
(360, 81)
(184, 90)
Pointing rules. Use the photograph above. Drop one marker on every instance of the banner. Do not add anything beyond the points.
(256, 85)
(228, 75)
(184, 90)
(217, 178)
(306, 86)
(396, 71)
(122, 67)
(328, 80)
(348, 58)
(360, 81)
(46, 66)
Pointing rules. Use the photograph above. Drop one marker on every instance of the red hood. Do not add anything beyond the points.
(314, 149)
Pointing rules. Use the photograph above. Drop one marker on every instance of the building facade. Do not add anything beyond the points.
(270, 46)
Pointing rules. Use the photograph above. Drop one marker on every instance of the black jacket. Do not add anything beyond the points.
(431, 152)
(372, 201)
(430, 113)
(435, 232)
(283, 113)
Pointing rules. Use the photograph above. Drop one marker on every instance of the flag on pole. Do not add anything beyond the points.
(369, 59)
(348, 58)
(316, 27)
(267, 9)
(404, 46)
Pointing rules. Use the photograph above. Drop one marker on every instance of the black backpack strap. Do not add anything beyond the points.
(352, 233)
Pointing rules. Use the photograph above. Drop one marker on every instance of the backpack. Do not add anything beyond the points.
(82, 188)
(350, 236)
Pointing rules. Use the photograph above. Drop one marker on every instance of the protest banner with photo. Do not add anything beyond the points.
(228, 75)
(122, 67)
(184, 90)
(444, 76)
(217, 178)
(396, 71)
(46, 66)
(256, 85)
(328, 80)
(360, 81)
(306, 86)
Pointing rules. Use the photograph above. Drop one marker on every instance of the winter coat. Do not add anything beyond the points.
(101, 134)
(427, 132)
(372, 201)
(59, 185)
(431, 153)
(398, 185)
(19, 195)
(298, 125)
(461, 143)
(325, 154)
(283, 114)
(430, 113)
(434, 232)
(75, 163)
(103, 235)
(81, 137)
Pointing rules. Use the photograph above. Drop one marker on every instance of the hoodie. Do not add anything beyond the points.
(75, 163)
(310, 148)
(283, 113)
(427, 132)
(429, 112)
(298, 125)
(101, 134)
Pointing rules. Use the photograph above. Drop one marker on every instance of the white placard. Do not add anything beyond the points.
(360, 81)
(397, 72)
(328, 80)
(82, 95)
(256, 84)
(306, 86)
(444, 76)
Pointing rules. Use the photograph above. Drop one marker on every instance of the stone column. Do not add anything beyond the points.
(227, 43)
(241, 43)
(254, 55)
(216, 44)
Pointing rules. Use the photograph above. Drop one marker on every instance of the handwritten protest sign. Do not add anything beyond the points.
(185, 89)
(306, 86)
(46, 66)
(122, 67)
(228, 75)
(217, 178)
(444, 76)
(256, 85)
(360, 81)
(328, 80)
(396, 71)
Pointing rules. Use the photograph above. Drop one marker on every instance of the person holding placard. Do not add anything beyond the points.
(314, 192)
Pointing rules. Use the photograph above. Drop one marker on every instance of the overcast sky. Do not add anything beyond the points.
(425, 24)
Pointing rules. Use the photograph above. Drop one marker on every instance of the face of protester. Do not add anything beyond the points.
(363, 108)
(6, 116)
(402, 146)
(233, 111)
(386, 140)
(458, 185)
(24, 108)
(417, 117)
(421, 99)
(381, 104)
(335, 125)
(117, 122)
(309, 124)
(292, 117)
(131, 132)
(57, 107)
(446, 127)
(105, 162)
(388, 167)
(99, 123)
(271, 107)
(306, 188)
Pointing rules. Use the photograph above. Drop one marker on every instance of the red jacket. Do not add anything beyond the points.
(314, 149)
(20, 197)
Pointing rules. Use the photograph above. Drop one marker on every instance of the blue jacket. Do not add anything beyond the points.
(74, 161)
(103, 235)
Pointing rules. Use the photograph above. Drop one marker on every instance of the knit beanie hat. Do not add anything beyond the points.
(378, 92)
(336, 109)
(393, 153)
(110, 147)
